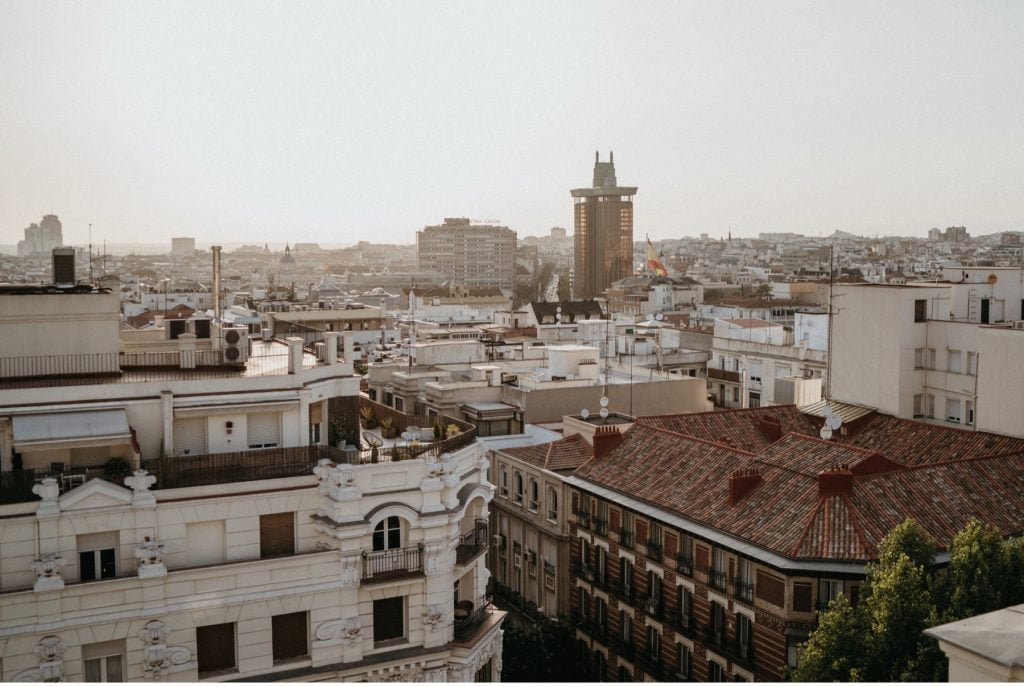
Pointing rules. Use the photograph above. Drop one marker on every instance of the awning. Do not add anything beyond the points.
(71, 430)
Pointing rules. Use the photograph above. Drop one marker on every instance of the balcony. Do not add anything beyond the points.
(469, 617)
(596, 629)
(601, 527)
(472, 543)
(392, 564)
(583, 520)
(654, 607)
(651, 665)
(684, 565)
(623, 647)
(716, 579)
(724, 375)
(683, 621)
(743, 590)
(626, 538)
(654, 550)
(16, 485)
(584, 571)
(393, 426)
(714, 637)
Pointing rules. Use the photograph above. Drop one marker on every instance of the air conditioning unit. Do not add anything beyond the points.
(1018, 324)
(175, 328)
(266, 334)
(236, 345)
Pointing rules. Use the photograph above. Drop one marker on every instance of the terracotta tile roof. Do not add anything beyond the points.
(178, 312)
(910, 442)
(675, 463)
(564, 454)
(742, 428)
(750, 322)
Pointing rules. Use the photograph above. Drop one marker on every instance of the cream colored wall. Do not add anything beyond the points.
(968, 667)
(1000, 380)
(59, 324)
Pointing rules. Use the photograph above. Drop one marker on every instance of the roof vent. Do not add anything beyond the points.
(742, 482)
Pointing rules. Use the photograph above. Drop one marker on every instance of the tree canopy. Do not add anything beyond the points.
(881, 639)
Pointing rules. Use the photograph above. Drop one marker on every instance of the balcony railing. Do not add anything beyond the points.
(716, 578)
(583, 520)
(623, 647)
(472, 543)
(601, 527)
(684, 565)
(743, 590)
(683, 620)
(16, 485)
(392, 563)
(654, 606)
(466, 625)
(626, 538)
(654, 550)
(724, 375)
(714, 637)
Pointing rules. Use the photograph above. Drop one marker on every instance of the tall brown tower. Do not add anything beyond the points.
(603, 231)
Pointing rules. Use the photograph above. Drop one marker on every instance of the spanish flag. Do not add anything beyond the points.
(652, 261)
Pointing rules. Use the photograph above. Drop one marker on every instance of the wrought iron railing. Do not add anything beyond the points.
(626, 538)
(684, 565)
(716, 578)
(654, 550)
(472, 543)
(392, 563)
(465, 626)
(743, 590)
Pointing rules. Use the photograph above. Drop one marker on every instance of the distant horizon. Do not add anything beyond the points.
(327, 122)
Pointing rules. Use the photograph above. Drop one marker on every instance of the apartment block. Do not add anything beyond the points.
(467, 254)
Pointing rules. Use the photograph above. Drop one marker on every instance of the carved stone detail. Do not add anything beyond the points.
(139, 482)
(433, 617)
(351, 570)
(49, 491)
(156, 655)
(49, 570)
(50, 651)
(151, 559)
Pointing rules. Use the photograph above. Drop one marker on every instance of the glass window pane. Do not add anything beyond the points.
(114, 669)
(92, 670)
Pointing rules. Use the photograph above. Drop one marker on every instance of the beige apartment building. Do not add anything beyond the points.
(946, 352)
(473, 255)
(173, 509)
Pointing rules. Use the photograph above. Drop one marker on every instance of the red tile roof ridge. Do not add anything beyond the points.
(720, 411)
(954, 461)
(855, 520)
(808, 523)
(846, 447)
(719, 444)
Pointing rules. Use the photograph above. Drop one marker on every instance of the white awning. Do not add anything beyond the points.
(71, 430)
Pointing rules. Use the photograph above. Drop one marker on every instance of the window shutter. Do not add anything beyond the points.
(289, 635)
(277, 534)
(316, 412)
(215, 645)
(190, 435)
(264, 428)
(802, 597)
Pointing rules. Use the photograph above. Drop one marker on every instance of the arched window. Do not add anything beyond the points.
(388, 534)
(552, 504)
(534, 494)
(519, 488)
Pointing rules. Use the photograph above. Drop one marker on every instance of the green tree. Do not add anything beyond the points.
(977, 570)
(1013, 569)
(837, 649)
(896, 612)
(911, 539)
(544, 651)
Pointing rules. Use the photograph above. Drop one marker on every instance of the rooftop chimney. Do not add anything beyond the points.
(605, 440)
(216, 284)
(741, 483)
(770, 428)
(835, 481)
(64, 266)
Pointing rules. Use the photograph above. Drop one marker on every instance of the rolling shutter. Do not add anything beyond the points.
(315, 413)
(190, 436)
(264, 429)
(277, 534)
(215, 645)
(288, 633)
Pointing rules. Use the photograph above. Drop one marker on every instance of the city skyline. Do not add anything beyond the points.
(266, 125)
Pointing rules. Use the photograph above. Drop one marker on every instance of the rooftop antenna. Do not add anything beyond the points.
(90, 252)
(828, 360)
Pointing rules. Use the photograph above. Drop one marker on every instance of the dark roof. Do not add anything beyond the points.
(571, 310)
(178, 312)
(890, 469)
(564, 454)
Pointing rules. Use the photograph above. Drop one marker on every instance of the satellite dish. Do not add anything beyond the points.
(584, 413)
(659, 317)
(604, 401)
(604, 413)
(825, 433)
(833, 422)
(650, 317)
(373, 440)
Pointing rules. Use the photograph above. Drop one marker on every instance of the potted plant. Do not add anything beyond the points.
(366, 413)
(451, 431)
(387, 427)
(374, 454)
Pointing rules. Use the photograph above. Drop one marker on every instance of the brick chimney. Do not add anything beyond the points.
(742, 482)
(605, 440)
(835, 481)
(771, 428)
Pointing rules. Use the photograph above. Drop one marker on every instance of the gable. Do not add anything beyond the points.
(96, 493)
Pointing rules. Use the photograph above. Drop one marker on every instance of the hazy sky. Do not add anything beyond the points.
(339, 121)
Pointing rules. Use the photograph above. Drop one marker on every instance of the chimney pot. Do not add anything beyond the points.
(742, 482)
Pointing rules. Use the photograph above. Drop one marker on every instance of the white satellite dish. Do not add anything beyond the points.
(604, 413)
(604, 401)
(659, 317)
(584, 413)
(650, 317)
(833, 422)
(825, 433)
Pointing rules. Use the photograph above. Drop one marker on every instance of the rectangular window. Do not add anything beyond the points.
(627, 530)
(929, 410)
(388, 619)
(277, 534)
(918, 403)
(920, 310)
(969, 413)
(104, 661)
(289, 634)
(919, 358)
(828, 590)
(626, 577)
(744, 636)
(264, 429)
(683, 661)
(215, 648)
(953, 410)
(626, 627)
(601, 573)
(716, 673)
(653, 642)
(97, 556)
(972, 363)
(802, 597)
(953, 360)
(931, 359)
